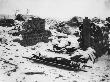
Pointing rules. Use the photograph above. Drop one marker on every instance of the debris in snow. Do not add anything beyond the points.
(65, 48)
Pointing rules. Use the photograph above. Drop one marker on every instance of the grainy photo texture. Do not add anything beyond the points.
(54, 40)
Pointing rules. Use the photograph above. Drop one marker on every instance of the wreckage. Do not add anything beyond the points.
(75, 62)
(64, 53)
(63, 47)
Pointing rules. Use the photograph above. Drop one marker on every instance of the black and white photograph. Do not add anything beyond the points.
(54, 40)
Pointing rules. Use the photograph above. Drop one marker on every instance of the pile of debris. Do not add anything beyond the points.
(7, 22)
(68, 44)
(33, 31)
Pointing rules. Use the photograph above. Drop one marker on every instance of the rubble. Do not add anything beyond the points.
(43, 59)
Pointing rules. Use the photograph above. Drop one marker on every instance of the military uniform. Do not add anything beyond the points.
(86, 33)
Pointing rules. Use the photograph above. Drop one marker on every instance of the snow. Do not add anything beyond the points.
(13, 65)
(51, 74)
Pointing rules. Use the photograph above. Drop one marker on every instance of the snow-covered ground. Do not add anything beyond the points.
(15, 68)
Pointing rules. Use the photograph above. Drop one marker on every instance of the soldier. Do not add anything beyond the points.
(86, 33)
